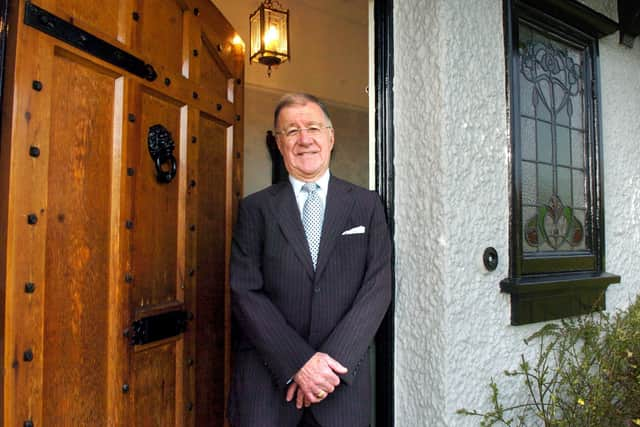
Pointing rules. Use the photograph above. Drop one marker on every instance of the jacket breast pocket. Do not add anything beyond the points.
(352, 247)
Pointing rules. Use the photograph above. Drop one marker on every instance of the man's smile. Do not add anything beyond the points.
(305, 140)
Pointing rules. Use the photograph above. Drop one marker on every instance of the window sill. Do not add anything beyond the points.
(550, 297)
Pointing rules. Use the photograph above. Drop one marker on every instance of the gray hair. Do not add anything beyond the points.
(291, 99)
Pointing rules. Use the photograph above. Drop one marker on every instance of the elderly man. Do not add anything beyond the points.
(310, 282)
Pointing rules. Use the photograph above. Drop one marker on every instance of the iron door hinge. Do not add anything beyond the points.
(57, 27)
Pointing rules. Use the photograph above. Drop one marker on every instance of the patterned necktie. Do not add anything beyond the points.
(312, 217)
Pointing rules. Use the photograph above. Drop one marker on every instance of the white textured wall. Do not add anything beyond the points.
(420, 226)
(620, 89)
(452, 201)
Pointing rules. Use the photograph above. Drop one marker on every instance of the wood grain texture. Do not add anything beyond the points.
(154, 386)
(212, 163)
(94, 17)
(213, 74)
(25, 243)
(155, 208)
(159, 33)
(7, 384)
(77, 260)
(93, 275)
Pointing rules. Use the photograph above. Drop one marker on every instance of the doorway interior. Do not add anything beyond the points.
(340, 52)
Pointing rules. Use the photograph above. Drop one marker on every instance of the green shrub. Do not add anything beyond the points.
(587, 374)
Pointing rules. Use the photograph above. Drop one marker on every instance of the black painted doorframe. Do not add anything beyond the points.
(383, 63)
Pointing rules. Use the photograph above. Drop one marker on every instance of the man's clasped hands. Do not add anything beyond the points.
(315, 380)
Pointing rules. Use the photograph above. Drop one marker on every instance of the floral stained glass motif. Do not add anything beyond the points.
(554, 224)
(555, 77)
(552, 135)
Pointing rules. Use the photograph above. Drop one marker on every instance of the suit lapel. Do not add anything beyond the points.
(287, 214)
(339, 205)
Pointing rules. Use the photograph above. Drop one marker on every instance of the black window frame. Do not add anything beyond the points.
(552, 286)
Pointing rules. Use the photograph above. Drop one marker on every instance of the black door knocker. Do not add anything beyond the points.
(161, 148)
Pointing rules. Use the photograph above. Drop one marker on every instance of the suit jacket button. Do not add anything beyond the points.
(316, 289)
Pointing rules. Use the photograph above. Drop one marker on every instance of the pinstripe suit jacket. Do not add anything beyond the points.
(284, 312)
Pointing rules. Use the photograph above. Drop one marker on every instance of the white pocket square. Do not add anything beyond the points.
(355, 230)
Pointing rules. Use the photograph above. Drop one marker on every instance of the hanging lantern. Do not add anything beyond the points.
(269, 29)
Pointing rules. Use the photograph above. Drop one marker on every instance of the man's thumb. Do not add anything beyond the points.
(337, 366)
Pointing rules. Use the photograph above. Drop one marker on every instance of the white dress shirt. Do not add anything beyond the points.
(301, 196)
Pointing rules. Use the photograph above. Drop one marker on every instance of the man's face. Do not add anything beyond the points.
(306, 153)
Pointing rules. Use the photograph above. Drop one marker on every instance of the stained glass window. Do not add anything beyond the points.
(556, 262)
(552, 138)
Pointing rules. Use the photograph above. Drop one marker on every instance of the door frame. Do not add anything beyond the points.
(4, 11)
(4, 15)
(383, 75)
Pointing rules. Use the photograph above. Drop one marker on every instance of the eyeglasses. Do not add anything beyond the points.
(313, 131)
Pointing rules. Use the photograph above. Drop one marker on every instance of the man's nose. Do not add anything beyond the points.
(304, 136)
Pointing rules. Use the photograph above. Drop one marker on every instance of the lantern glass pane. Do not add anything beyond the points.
(275, 35)
(256, 31)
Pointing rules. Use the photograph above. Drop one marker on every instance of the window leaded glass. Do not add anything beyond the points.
(552, 132)
(556, 264)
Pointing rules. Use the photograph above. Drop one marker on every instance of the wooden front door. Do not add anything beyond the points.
(114, 305)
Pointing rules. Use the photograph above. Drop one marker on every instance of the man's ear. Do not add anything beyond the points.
(333, 134)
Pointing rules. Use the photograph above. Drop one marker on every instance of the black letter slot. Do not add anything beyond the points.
(158, 327)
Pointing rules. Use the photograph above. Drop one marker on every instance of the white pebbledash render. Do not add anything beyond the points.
(452, 185)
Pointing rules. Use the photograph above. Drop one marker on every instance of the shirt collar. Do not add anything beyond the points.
(323, 183)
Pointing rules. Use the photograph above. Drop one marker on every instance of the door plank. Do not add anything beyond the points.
(156, 208)
(213, 155)
(190, 270)
(78, 246)
(160, 33)
(155, 389)
(25, 243)
(220, 34)
(119, 313)
(220, 74)
(214, 76)
(95, 17)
